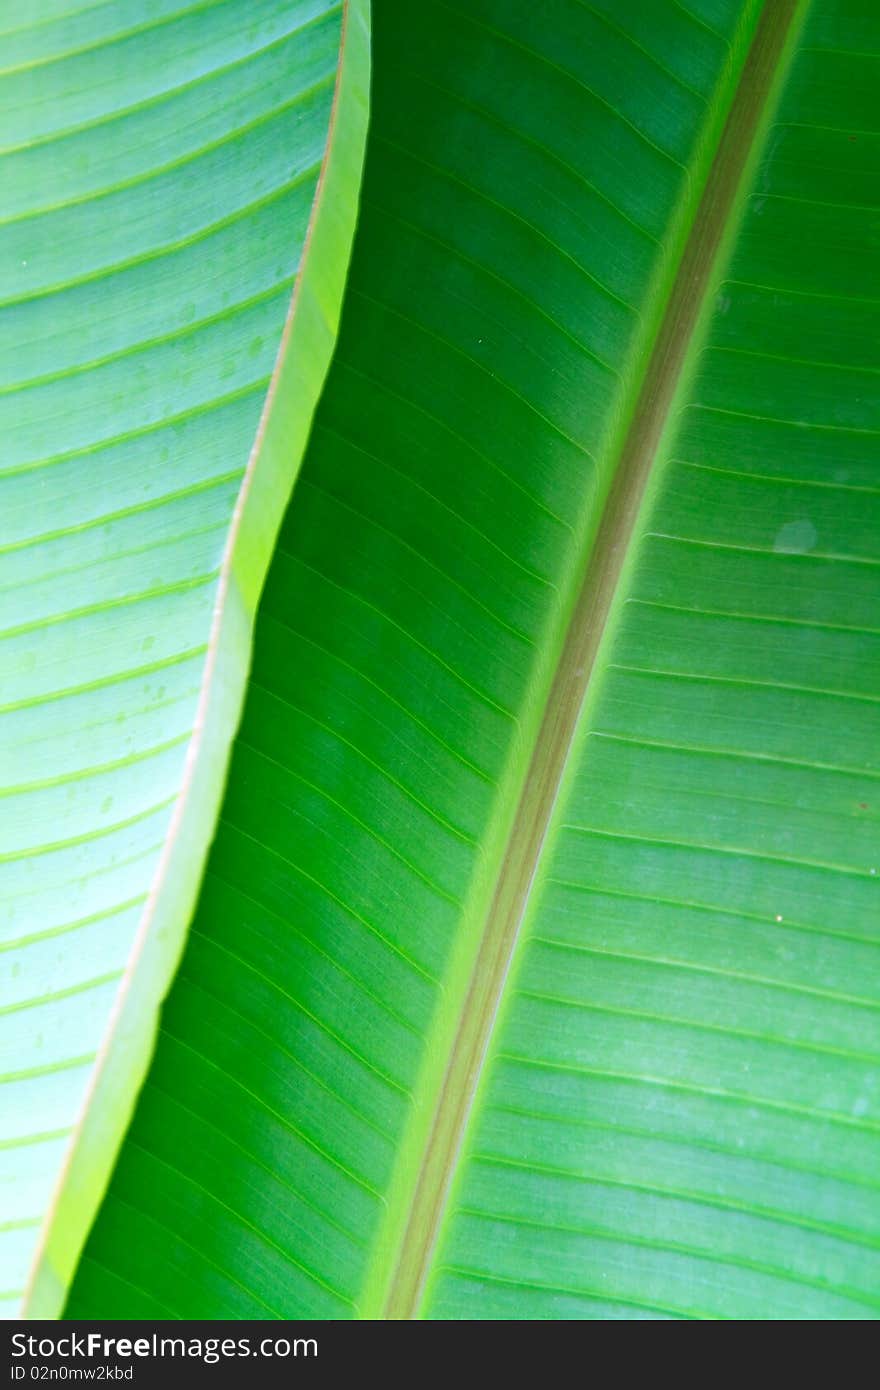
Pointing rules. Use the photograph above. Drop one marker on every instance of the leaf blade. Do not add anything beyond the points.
(400, 680)
(106, 543)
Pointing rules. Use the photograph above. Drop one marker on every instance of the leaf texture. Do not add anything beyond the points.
(162, 163)
(667, 1102)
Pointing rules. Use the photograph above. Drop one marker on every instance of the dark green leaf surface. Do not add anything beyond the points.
(161, 163)
(678, 1114)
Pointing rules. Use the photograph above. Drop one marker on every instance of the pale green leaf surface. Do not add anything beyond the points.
(678, 1112)
(161, 162)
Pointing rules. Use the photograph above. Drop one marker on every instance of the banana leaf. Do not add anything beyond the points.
(174, 239)
(534, 970)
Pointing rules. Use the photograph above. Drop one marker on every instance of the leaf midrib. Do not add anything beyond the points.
(571, 683)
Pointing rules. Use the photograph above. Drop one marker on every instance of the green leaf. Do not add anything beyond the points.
(168, 181)
(534, 973)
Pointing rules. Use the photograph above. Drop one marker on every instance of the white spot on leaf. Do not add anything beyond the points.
(795, 538)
